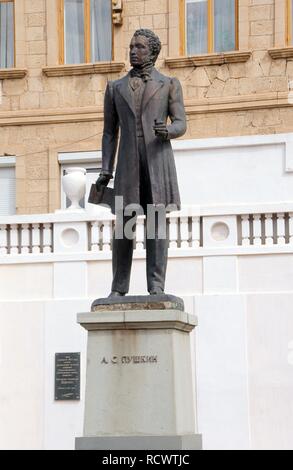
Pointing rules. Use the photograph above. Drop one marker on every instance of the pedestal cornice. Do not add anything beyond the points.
(137, 320)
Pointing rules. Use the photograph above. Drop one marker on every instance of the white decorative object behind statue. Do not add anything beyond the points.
(74, 185)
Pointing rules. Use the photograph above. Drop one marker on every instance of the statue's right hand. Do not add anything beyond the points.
(103, 180)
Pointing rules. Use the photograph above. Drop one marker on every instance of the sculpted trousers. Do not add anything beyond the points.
(156, 247)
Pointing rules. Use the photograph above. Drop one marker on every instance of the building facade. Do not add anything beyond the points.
(50, 106)
(231, 246)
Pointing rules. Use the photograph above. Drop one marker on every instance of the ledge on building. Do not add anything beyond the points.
(208, 59)
(281, 52)
(83, 69)
(12, 73)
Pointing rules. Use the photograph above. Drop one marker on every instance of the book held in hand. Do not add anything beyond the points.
(103, 197)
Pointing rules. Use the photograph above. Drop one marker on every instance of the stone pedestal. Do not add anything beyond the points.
(139, 391)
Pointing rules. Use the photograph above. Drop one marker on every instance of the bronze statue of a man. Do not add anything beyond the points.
(140, 105)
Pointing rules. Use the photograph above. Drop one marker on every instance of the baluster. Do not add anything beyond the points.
(95, 236)
(245, 230)
(269, 229)
(3, 240)
(195, 243)
(140, 233)
(281, 229)
(25, 239)
(36, 239)
(291, 227)
(184, 233)
(107, 235)
(47, 238)
(14, 243)
(173, 231)
(256, 229)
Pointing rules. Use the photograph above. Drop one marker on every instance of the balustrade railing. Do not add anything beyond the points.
(266, 229)
(183, 231)
(23, 239)
(187, 230)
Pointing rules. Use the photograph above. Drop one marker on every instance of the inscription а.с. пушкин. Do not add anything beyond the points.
(130, 360)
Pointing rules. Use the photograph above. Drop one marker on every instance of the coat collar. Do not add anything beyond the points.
(152, 86)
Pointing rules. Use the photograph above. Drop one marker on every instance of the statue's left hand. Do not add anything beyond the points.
(103, 180)
(160, 129)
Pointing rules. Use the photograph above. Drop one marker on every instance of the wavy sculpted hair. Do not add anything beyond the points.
(154, 41)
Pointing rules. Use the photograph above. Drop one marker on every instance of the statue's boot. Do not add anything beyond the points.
(156, 291)
(115, 294)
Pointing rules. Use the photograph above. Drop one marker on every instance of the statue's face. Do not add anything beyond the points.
(139, 51)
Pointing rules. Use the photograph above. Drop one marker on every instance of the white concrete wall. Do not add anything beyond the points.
(244, 373)
(235, 170)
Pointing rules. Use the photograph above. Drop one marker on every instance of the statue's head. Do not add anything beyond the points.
(145, 46)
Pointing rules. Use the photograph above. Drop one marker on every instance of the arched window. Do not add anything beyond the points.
(85, 31)
(209, 26)
(6, 33)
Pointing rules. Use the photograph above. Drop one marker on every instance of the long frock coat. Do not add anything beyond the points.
(162, 99)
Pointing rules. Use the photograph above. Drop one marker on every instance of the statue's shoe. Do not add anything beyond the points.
(115, 294)
(156, 291)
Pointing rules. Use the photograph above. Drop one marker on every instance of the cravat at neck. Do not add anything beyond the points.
(144, 72)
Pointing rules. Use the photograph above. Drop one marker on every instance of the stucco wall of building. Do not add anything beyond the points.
(42, 115)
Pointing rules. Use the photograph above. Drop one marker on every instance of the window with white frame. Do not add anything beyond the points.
(7, 186)
(6, 33)
(91, 162)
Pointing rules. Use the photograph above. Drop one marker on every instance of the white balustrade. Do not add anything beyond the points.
(14, 243)
(173, 231)
(25, 235)
(245, 224)
(47, 238)
(257, 229)
(269, 229)
(3, 240)
(36, 239)
(184, 232)
(281, 229)
(95, 236)
(195, 232)
(107, 235)
(25, 239)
